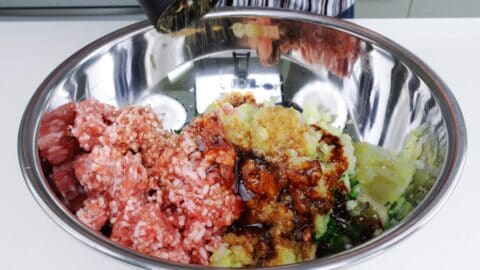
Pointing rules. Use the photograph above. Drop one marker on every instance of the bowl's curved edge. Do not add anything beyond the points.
(433, 202)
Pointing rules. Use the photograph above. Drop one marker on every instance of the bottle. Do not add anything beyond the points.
(171, 16)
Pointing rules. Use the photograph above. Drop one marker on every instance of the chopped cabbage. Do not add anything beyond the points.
(284, 256)
(321, 222)
(384, 175)
(235, 256)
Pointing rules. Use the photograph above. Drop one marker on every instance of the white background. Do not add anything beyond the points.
(30, 50)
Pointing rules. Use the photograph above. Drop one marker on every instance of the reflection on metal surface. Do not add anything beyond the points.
(172, 112)
(378, 90)
(209, 87)
(326, 97)
(221, 73)
(310, 44)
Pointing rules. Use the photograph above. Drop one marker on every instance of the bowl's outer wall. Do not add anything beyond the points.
(387, 93)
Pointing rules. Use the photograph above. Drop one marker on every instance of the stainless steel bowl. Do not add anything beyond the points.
(378, 90)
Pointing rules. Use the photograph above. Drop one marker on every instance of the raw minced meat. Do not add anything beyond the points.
(138, 129)
(166, 195)
(96, 170)
(130, 179)
(55, 141)
(123, 220)
(153, 234)
(91, 121)
(63, 176)
(197, 177)
(106, 170)
(95, 212)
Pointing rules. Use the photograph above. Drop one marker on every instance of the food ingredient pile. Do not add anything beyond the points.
(243, 184)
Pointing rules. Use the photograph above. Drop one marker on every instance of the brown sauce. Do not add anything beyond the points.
(337, 156)
(281, 201)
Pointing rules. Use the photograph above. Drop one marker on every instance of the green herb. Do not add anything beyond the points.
(332, 241)
(389, 224)
(330, 233)
(196, 114)
(399, 209)
(354, 182)
(353, 194)
(394, 204)
(177, 131)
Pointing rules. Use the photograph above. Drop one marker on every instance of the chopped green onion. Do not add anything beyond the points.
(391, 210)
(354, 182)
(353, 194)
(330, 233)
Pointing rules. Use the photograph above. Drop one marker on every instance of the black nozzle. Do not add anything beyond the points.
(155, 8)
(174, 15)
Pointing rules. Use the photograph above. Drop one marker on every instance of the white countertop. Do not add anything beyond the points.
(30, 50)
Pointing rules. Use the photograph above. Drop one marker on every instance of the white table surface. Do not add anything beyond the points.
(30, 50)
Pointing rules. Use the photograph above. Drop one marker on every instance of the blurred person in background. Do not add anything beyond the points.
(335, 8)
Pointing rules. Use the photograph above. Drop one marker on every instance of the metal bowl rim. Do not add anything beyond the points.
(28, 157)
